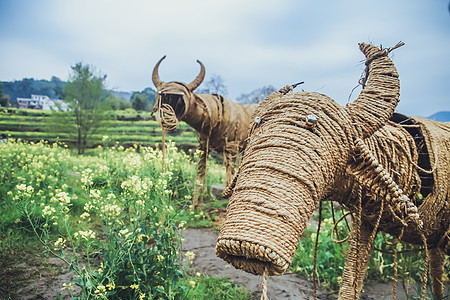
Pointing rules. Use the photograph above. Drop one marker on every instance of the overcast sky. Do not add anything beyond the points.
(248, 43)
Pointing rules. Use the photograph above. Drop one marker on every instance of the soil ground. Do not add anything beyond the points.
(288, 286)
(38, 278)
(33, 276)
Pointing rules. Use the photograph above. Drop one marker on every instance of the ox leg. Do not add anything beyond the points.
(200, 179)
(437, 259)
(229, 167)
(356, 262)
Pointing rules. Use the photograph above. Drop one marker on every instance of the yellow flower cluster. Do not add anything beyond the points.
(132, 162)
(86, 235)
(182, 225)
(63, 199)
(125, 232)
(190, 256)
(67, 286)
(152, 154)
(48, 210)
(111, 211)
(60, 243)
(111, 286)
(24, 190)
(141, 237)
(87, 177)
(85, 215)
(100, 292)
(136, 186)
(94, 194)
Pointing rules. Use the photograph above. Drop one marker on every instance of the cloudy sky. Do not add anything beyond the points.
(248, 43)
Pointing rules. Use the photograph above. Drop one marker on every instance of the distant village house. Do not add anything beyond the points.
(41, 102)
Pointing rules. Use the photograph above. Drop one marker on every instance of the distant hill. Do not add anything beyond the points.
(27, 86)
(54, 89)
(122, 95)
(441, 116)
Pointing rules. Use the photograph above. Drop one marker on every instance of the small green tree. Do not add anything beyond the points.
(143, 100)
(138, 102)
(112, 102)
(85, 116)
(4, 99)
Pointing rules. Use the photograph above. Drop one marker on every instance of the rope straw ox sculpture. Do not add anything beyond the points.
(390, 171)
(221, 124)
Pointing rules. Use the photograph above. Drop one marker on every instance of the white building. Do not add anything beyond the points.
(41, 102)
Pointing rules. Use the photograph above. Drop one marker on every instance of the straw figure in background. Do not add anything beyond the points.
(390, 171)
(221, 124)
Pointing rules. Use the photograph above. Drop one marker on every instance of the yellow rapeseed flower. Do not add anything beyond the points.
(111, 286)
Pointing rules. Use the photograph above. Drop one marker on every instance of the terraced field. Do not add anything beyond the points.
(126, 128)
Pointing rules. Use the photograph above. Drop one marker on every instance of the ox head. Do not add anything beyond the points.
(176, 94)
(296, 155)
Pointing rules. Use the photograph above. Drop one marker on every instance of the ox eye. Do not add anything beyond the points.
(311, 120)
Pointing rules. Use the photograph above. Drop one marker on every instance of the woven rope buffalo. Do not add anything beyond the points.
(221, 124)
(390, 171)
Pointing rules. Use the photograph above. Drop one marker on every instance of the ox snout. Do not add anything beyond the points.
(176, 101)
(259, 234)
(251, 257)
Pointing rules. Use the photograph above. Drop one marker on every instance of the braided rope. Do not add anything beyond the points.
(336, 223)
(424, 275)
(368, 171)
(376, 178)
(358, 223)
(335, 230)
(264, 284)
(315, 279)
(394, 288)
(396, 241)
(167, 120)
(166, 116)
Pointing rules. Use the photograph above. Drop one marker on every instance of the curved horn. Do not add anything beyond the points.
(380, 94)
(155, 76)
(198, 80)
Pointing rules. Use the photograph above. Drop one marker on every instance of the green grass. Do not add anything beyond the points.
(113, 215)
(331, 259)
(50, 169)
(125, 127)
(207, 288)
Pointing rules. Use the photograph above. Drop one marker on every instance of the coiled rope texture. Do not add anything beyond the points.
(290, 165)
(265, 224)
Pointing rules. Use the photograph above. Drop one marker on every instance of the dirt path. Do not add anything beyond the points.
(43, 280)
(202, 243)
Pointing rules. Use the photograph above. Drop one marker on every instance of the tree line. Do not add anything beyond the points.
(88, 101)
(54, 89)
(140, 101)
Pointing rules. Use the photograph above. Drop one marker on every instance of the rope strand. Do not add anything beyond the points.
(264, 284)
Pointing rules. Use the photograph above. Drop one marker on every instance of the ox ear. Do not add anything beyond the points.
(380, 94)
(198, 80)
(155, 77)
